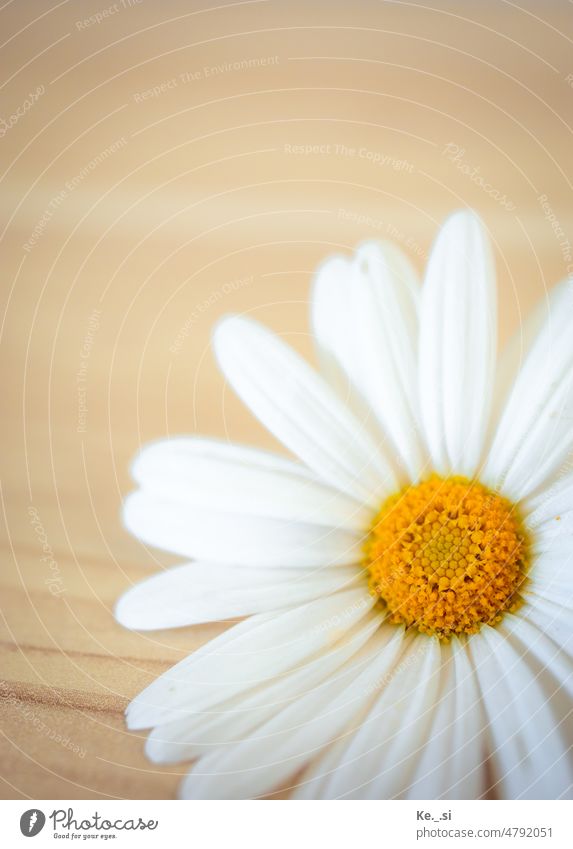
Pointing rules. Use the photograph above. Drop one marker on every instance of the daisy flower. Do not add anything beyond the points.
(403, 583)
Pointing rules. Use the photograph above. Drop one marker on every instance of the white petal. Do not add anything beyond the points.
(451, 763)
(193, 735)
(381, 757)
(336, 352)
(550, 617)
(234, 538)
(316, 781)
(364, 315)
(233, 479)
(556, 659)
(528, 749)
(295, 404)
(559, 595)
(551, 574)
(282, 745)
(207, 592)
(512, 357)
(552, 508)
(550, 664)
(535, 433)
(311, 784)
(553, 540)
(552, 557)
(458, 332)
(549, 518)
(251, 653)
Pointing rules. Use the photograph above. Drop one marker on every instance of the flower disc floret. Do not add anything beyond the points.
(447, 556)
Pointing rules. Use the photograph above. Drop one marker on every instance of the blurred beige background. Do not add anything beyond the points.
(163, 164)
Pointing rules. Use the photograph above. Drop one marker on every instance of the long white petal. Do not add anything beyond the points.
(552, 580)
(194, 735)
(207, 592)
(551, 573)
(312, 782)
(381, 757)
(451, 764)
(364, 316)
(513, 355)
(534, 435)
(458, 332)
(297, 405)
(281, 746)
(531, 639)
(252, 653)
(219, 537)
(549, 518)
(528, 748)
(550, 617)
(215, 475)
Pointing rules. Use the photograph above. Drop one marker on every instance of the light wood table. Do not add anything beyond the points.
(166, 164)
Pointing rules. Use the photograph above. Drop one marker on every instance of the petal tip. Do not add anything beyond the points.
(465, 226)
(123, 612)
(230, 335)
(128, 511)
(222, 327)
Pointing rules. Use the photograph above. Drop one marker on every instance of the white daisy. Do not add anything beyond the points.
(406, 579)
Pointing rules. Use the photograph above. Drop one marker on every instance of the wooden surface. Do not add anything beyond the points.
(155, 214)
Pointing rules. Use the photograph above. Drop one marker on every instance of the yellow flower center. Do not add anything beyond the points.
(446, 556)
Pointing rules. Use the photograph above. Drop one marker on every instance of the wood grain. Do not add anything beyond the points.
(137, 210)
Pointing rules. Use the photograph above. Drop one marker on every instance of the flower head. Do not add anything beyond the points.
(405, 580)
